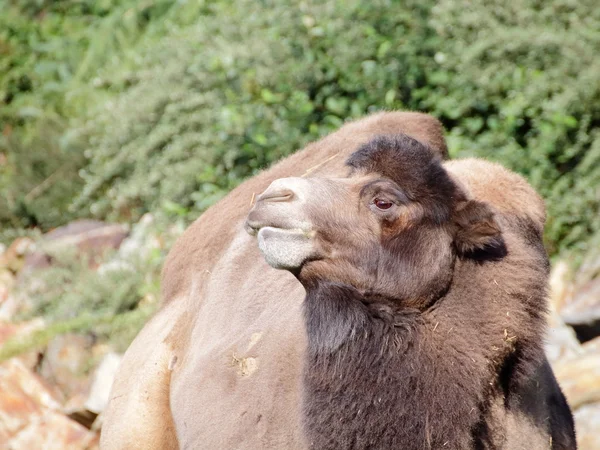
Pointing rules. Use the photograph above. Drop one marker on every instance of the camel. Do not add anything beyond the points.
(409, 313)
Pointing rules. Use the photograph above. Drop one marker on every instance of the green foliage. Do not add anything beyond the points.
(519, 82)
(214, 102)
(50, 52)
(74, 295)
(173, 104)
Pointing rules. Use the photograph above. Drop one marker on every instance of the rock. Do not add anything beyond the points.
(142, 241)
(579, 376)
(142, 238)
(583, 311)
(138, 245)
(9, 330)
(590, 267)
(65, 364)
(103, 380)
(587, 424)
(53, 431)
(30, 415)
(90, 237)
(561, 341)
(13, 304)
(9, 302)
(87, 412)
(7, 282)
(560, 285)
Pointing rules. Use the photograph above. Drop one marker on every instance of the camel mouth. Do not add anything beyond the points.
(258, 220)
(286, 249)
(253, 228)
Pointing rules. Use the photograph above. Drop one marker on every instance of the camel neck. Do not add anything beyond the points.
(374, 379)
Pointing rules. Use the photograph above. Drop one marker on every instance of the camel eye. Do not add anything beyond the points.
(382, 204)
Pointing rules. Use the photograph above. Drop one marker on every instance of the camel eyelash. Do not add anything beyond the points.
(383, 190)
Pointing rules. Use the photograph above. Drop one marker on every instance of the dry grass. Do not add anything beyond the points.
(315, 167)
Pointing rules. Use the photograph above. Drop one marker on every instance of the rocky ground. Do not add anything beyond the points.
(573, 343)
(52, 396)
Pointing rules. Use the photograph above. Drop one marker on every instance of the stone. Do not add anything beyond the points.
(66, 362)
(560, 284)
(91, 238)
(7, 282)
(561, 341)
(13, 330)
(102, 383)
(587, 425)
(30, 415)
(54, 431)
(583, 311)
(86, 410)
(590, 267)
(7, 300)
(13, 258)
(142, 240)
(12, 305)
(579, 376)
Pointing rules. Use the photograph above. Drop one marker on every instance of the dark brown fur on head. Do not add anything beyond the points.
(447, 371)
(418, 170)
(413, 166)
(431, 221)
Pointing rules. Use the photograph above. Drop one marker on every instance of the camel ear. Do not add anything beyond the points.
(477, 230)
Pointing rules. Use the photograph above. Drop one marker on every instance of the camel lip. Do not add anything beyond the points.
(254, 227)
(291, 231)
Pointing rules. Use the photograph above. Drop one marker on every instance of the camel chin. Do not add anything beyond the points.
(285, 249)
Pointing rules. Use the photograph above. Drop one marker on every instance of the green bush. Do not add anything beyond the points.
(519, 82)
(246, 84)
(165, 106)
(50, 53)
(214, 102)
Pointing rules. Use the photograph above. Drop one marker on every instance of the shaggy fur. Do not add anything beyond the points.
(447, 370)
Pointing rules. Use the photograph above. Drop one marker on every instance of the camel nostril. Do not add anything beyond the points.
(284, 195)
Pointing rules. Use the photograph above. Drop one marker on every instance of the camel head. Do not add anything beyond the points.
(391, 228)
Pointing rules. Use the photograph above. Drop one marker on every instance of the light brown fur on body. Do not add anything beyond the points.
(220, 364)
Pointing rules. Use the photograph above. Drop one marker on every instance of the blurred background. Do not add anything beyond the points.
(122, 120)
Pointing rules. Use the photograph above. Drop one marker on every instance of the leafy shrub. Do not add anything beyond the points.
(519, 82)
(174, 103)
(50, 52)
(245, 85)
